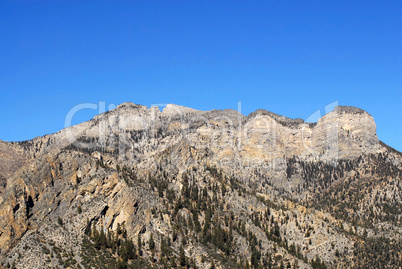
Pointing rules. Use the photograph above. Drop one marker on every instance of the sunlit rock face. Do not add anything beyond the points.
(263, 135)
(104, 167)
(345, 132)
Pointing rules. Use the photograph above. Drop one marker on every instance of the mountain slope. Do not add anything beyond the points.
(203, 188)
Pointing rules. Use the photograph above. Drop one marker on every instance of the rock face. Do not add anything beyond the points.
(345, 132)
(148, 170)
(11, 159)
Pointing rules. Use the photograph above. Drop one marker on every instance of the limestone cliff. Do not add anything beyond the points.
(281, 181)
(12, 157)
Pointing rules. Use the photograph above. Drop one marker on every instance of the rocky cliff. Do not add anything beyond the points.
(11, 159)
(222, 189)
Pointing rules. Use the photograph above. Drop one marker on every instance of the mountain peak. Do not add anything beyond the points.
(279, 118)
(130, 105)
(349, 109)
(172, 110)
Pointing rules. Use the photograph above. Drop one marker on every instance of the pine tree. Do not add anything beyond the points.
(182, 257)
(88, 229)
(139, 245)
(212, 265)
(60, 221)
(151, 242)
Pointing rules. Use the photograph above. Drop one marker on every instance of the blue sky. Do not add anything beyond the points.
(289, 57)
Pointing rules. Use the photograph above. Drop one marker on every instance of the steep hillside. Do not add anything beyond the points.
(11, 159)
(136, 187)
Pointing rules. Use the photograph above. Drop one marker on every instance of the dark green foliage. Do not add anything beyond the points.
(60, 221)
(182, 257)
(139, 245)
(104, 258)
(220, 226)
(151, 242)
(378, 253)
(318, 264)
(110, 250)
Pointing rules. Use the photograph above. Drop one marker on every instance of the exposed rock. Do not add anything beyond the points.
(12, 158)
(281, 181)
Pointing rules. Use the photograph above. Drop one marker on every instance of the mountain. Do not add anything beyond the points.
(137, 187)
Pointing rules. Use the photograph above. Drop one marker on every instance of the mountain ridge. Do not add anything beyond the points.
(331, 190)
(183, 111)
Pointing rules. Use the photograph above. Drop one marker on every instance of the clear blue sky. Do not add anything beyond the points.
(289, 57)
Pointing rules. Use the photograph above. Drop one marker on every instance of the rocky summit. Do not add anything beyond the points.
(136, 187)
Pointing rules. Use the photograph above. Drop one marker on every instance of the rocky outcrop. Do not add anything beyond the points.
(130, 166)
(345, 132)
(12, 158)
